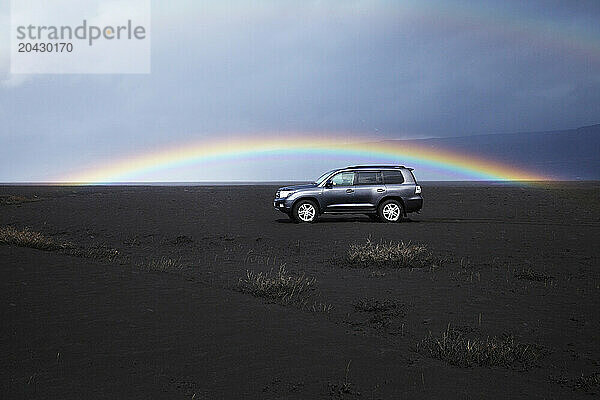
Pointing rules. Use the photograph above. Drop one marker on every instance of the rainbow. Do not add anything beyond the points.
(409, 153)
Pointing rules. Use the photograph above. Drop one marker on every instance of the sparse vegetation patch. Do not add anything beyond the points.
(13, 199)
(278, 286)
(96, 253)
(318, 306)
(584, 383)
(390, 255)
(587, 383)
(28, 238)
(531, 275)
(343, 389)
(381, 306)
(454, 347)
(163, 264)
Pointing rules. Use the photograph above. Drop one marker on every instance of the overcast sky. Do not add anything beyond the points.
(391, 69)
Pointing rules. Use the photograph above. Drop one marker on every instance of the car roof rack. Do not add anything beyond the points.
(376, 166)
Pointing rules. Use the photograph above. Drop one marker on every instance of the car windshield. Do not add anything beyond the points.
(324, 176)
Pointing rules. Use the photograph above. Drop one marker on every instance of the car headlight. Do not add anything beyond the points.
(285, 193)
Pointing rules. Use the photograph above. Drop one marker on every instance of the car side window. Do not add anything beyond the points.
(343, 179)
(368, 178)
(393, 177)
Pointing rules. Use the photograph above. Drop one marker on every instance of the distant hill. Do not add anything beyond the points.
(572, 154)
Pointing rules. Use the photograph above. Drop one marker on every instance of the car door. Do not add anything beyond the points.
(368, 189)
(338, 193)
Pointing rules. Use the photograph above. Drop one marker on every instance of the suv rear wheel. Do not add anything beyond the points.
(391, 211)
(305, 211)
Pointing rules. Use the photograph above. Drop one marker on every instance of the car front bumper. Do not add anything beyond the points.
(283, 205)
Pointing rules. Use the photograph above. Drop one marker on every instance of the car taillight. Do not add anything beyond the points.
(418, 189)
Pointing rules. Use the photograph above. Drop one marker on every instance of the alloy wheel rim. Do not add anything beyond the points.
(306, 212)
(391, 212)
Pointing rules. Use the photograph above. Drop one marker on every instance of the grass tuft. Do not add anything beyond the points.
(14, 199)
(28, 238)
(344, 388)
(587, 382)
(531, 275)
(36, 240)
(457, 349)
(390, 255)
(319, 307)
(279, 286)
(584, 383)
(163, 264)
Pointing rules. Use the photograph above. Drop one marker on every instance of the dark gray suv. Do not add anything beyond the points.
(383, 192)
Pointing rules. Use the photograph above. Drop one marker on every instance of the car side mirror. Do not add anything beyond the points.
(329, 184)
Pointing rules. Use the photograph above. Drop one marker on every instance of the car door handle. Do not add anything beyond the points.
(349, 190)
(381, 190)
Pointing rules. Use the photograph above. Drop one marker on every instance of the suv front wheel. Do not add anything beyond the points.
(391, 211)
(305, 211)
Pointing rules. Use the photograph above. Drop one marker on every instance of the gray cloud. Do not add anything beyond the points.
(390, 69)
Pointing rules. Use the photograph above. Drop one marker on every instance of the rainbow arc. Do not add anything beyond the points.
(469, 166)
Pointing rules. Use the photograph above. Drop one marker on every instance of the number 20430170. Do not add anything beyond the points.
(45, 47)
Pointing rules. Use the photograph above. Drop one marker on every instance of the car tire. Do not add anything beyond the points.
(305, 211)
(391, 211)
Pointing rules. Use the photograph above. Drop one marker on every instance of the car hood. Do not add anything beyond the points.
(299, 187)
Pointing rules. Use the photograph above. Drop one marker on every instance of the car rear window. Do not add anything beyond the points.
(393, 177)
(368, 178)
